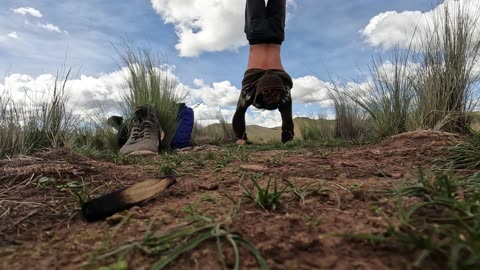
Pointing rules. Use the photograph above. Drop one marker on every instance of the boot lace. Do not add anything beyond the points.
(141, 130)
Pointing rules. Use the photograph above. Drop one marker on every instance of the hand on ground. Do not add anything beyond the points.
(241, 142)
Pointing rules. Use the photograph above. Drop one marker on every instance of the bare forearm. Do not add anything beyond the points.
(238, 124)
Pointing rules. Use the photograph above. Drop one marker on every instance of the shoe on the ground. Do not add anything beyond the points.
(115, 121)
(144, 136)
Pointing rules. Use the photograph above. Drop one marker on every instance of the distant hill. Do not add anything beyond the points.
(259, 134)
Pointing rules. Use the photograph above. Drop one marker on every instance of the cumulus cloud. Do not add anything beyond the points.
(218, 93)
(206, 115)
(13, 35)
(87, 94)
(268, 119)
(394, 28)
(50, 27)
(205, 25)
(28, 11)
(310, 89)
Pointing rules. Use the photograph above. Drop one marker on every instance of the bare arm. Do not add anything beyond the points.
(238, 121)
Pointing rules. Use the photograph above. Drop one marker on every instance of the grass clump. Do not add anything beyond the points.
(214, 134)
(314, 189)
(38, 122)
(432, 83)
(350, 119)
(173, 243)
(150, 83)
(447, 78)
(438, 216)
(317, 129)
(387, 94)
(466, 154)
(268, 197)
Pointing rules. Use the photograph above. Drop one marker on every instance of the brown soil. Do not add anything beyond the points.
(41, 226)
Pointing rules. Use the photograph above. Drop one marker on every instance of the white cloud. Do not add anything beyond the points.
(265, 118)
(205, 25)
(28, 11)
(217, 94)
(394, 28)
(13, 35)
(87, 94)
(310, 89)
(50, 27)
(206, 115)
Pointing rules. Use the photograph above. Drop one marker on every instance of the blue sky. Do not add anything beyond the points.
(323, 37)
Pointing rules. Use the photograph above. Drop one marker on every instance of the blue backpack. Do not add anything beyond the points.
(185, 119)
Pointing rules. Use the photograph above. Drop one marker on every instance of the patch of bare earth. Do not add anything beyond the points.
(41, 227)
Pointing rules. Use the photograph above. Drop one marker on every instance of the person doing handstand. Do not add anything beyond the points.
(265, 84)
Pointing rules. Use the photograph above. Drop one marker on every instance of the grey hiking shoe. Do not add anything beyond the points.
(144, 136)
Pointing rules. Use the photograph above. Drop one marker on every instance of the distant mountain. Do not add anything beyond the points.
(259, 134)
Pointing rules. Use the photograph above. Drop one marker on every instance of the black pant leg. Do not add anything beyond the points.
(265, 24)
(276, 14)
(255, 21)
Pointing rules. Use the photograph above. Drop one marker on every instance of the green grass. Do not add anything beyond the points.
(267, 197)
(216, 134)
(446, 78)
(150, 83)
(388, 94)
(466, 154)
(437, 217)
(350, 120)
(312, 189)
(317, 129)
(38, 122)
(173, 243)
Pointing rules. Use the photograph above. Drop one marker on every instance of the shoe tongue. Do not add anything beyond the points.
(142, 113)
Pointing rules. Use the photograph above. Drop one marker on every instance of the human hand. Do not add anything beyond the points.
(241, 142)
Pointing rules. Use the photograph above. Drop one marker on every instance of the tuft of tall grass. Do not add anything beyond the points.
(215, 134)
(151, 83)
(445, 223)
(447, 77)
(438, 217)
(387, 94)
(466, 154)
(350, 120)
(38, 122)
(9, 128)
(317, 129)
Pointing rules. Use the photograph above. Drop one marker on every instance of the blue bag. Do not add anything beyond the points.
(185, 120)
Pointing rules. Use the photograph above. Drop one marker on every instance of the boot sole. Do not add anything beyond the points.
(142, 153)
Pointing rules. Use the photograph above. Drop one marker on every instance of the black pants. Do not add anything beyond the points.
(265, 24)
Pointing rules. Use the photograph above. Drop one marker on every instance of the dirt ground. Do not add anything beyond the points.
(41, 226)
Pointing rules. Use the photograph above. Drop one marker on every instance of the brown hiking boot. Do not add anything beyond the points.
(144, 137)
